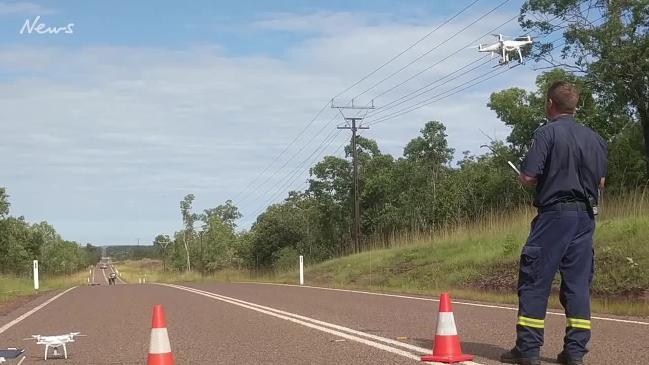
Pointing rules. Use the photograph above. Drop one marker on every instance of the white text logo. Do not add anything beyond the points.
(39, 27)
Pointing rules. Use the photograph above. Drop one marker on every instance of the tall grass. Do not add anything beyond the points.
(477, 260)
(12, 287)
(151, 271)
(498, 223)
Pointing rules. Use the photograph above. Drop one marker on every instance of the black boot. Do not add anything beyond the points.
(515, 357)
(564, 359)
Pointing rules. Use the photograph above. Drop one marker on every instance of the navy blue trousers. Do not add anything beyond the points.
(560, 240)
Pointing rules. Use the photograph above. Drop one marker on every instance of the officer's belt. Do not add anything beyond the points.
(574, 206)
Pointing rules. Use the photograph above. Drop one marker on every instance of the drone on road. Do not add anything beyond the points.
(505, 47)
(55, 343)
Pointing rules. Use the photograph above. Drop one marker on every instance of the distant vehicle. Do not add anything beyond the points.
(505, 47)
(103, 266)
(56, 342)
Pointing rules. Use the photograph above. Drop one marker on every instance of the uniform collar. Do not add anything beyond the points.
(563, 117)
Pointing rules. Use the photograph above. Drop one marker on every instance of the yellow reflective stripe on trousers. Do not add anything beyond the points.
(530, 322)
(578, 323)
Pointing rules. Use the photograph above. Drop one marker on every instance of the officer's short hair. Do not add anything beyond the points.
(564, 95)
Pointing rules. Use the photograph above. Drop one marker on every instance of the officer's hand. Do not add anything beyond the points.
(527, 180)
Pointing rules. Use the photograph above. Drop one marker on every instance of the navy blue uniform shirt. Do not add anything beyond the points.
(568, 160)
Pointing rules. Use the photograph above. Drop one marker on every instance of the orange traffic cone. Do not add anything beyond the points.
(447, 347)
(159, 347)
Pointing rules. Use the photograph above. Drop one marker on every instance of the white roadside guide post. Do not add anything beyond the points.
(36, 286)
(301, 270)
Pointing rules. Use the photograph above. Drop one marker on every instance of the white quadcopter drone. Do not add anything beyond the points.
(55, 343)
(505, 47)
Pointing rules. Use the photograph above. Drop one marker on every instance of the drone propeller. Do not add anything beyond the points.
(524, 38)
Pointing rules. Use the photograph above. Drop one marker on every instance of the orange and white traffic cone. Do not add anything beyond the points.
(159, 347)
(447, 347)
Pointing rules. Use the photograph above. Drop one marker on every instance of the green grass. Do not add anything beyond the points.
(152, 271)
(480, 262)
(474, 262)
(12, 287)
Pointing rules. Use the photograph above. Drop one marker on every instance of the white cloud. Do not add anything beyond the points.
(318, 22)
(23, 8)
(119, 134)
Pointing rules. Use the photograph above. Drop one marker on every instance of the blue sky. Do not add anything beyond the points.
(103, 131)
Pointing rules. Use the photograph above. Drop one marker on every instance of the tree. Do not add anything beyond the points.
(612, 51)
(20, 243)
(219, 240)
(4, 203)
(331, 185)
(161, 243)
(523, 111)
(431, 150)
(228, 213)
(14, 235)
(188, 220)
(431, 147)
(281, 225)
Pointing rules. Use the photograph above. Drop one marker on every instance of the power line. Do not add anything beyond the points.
(354, 127)
(389, 105)
(434, 48)
(258, 176)
(394, 58)
(251, 182)
(433, 99)
(269, 178)
(405, 98)
(439, 97)
(407, 49)
(447, 57)
(298, 169)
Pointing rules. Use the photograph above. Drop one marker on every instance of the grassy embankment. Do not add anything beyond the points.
(12, 287)
(152, 272)
(476, 262)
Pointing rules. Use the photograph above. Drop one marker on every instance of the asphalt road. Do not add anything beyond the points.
(272, 324)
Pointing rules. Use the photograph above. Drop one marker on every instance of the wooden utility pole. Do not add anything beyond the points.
(354, 124)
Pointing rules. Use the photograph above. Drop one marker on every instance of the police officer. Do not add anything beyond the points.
(567, 162)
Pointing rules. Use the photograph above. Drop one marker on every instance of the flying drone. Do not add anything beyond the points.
(504, 47)
(55, 343)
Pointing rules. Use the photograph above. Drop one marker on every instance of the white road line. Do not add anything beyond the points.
(437, 300)
(29, 313)
(103, 271)
(327, 327)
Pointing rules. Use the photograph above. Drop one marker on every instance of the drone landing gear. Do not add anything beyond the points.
(55, 351)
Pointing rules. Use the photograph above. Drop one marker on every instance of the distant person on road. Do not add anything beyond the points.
(111, 278)
(568, 163)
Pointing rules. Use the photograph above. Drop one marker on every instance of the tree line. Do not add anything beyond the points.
(422, 190)
(604, 53)
(22, 242)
